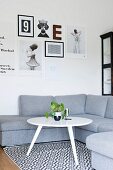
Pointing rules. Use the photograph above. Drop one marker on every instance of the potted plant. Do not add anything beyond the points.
(57, 111)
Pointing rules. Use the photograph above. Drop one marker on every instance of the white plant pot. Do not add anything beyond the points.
(57, 116)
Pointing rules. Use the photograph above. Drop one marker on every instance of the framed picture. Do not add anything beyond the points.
(30, 55)
(76, 41)
(54, 49)
(25, 26)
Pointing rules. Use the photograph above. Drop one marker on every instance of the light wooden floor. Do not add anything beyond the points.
(6, 163)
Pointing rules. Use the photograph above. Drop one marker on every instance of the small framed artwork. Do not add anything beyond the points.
(25, 26)
(76, 45)
(54, 49)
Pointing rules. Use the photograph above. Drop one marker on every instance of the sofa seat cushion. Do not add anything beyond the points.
(92, 126)
(34, 105)
(101, 143)
(75, 103)
(14, 122)
(96, 105)
(106, 126)
(97, 124)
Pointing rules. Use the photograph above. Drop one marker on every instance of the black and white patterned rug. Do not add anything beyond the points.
(50, 156)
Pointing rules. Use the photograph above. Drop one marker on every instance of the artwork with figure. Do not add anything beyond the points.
(43, 27)
(32, 63)
(76, 35)
(30, 55)
(76, 43)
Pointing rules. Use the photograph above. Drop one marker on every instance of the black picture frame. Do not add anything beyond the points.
(25, 26)
(107, 64)
(54, 49)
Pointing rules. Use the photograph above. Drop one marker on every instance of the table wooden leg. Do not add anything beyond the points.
(70, 130)
(34, 139)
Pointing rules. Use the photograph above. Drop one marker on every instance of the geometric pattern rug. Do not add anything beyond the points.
(50, 156)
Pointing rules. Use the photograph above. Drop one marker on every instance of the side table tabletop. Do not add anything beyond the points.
(50, 122)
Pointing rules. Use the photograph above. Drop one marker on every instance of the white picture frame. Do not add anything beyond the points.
(76, 41)
(30, 56)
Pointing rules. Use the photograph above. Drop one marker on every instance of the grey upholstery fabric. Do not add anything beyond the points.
(19, 137)
(81, 134)
(101, 162)
(98, 123)
(93, 127)
(34, 105)
(106, 126)
(75, 103)
(96, 105)
(101, 143)
(15, 122)
(14, 129)
(109, 108)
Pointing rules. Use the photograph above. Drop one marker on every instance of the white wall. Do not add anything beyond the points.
(60, 76)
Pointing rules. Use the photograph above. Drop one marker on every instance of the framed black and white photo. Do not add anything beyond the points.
(76, 41)
(25, 26)
(54, 49)
(30, 56)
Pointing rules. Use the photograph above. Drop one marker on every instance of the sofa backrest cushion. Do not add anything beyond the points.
(109, 109)
(75, 103)
(34, 105)
(96, 105)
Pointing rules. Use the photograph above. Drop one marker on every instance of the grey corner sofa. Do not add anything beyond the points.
(14, 129)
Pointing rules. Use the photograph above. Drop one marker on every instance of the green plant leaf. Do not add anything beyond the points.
(52, 114)
(46, 114)
(61, 107)
(55, 107)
